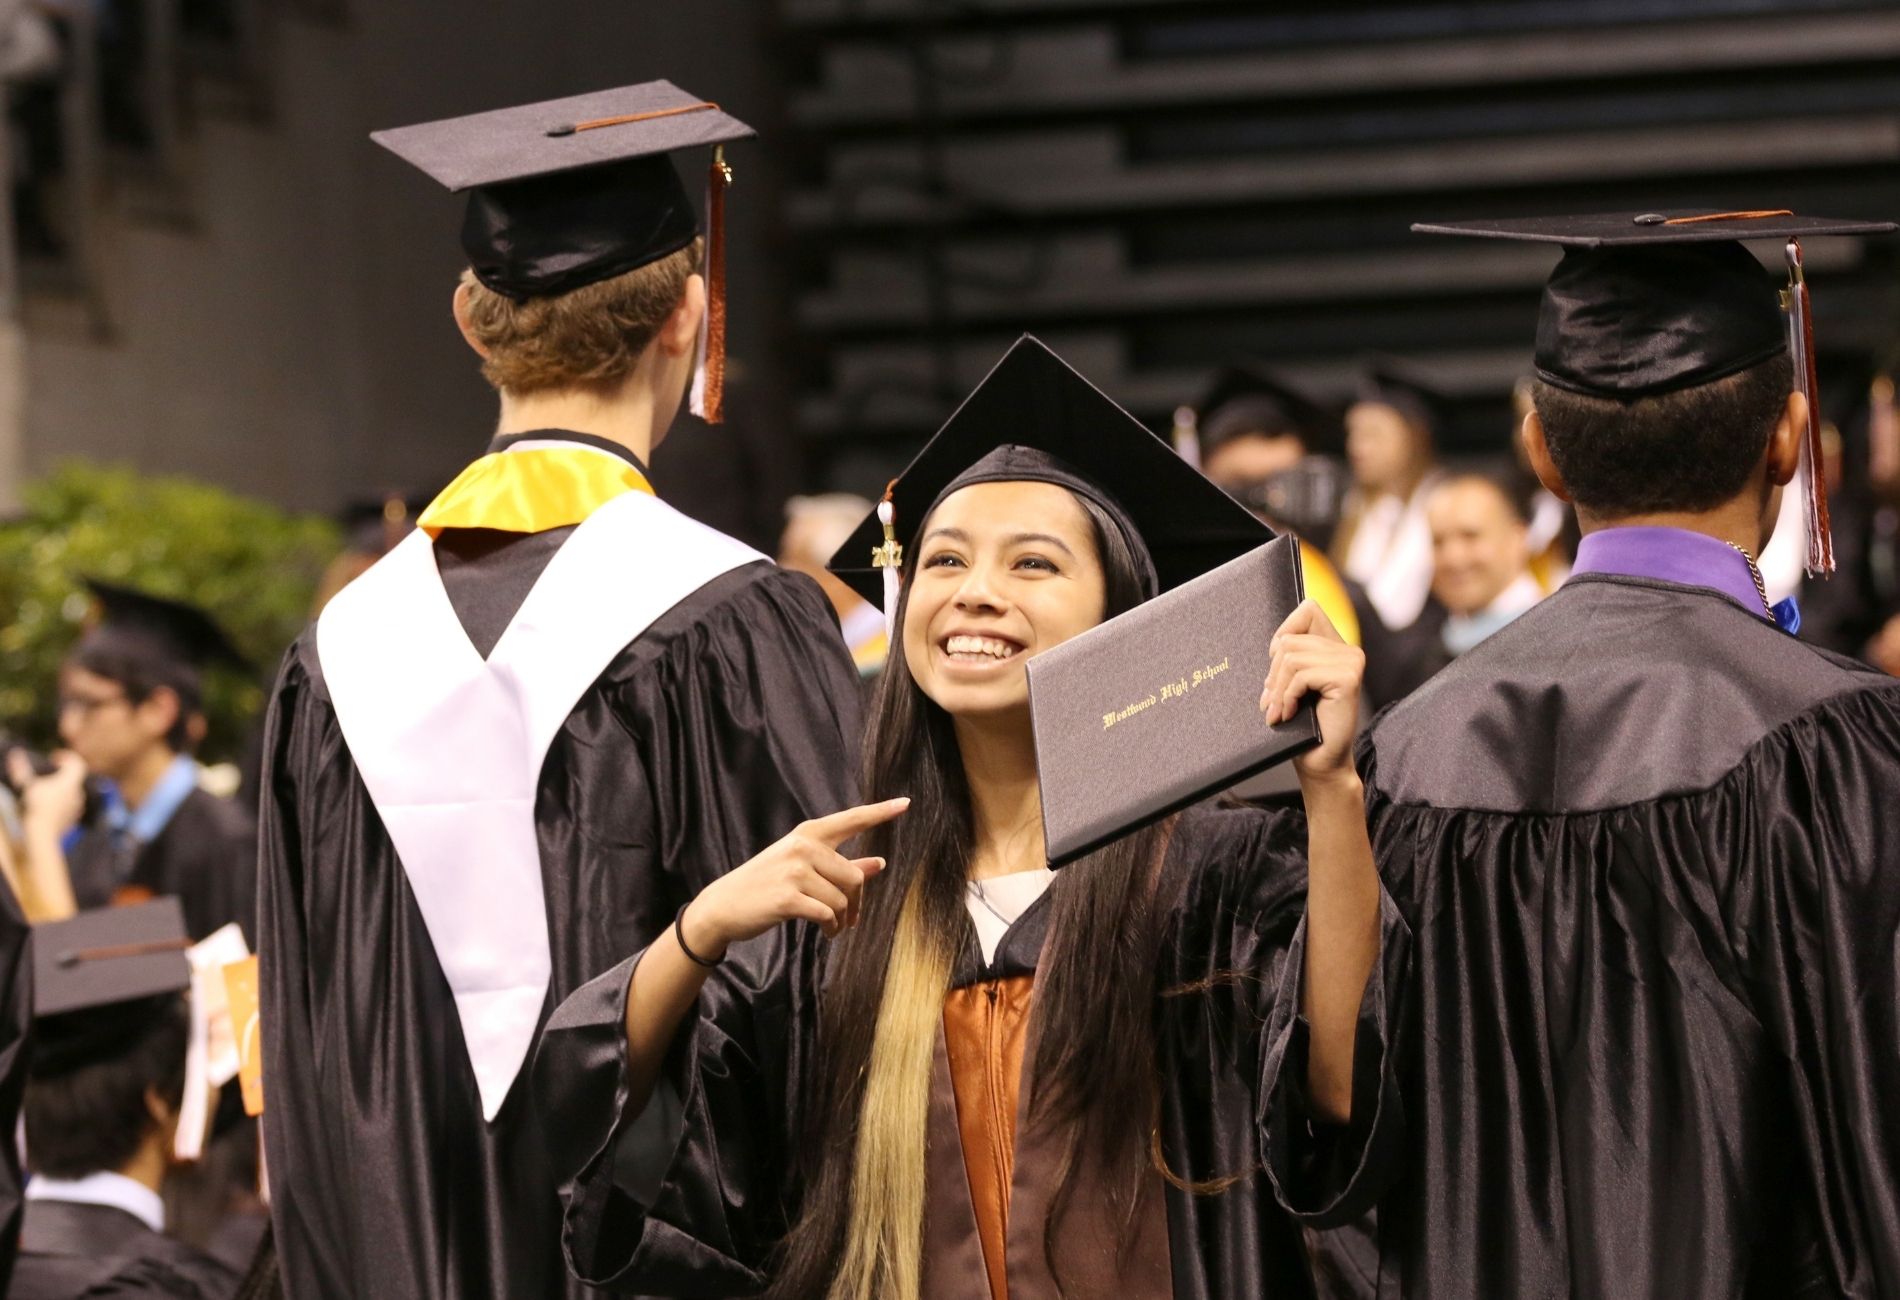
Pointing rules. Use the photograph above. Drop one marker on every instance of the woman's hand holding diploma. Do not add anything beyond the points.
(1310, 658)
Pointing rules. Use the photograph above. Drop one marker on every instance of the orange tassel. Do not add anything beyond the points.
(713, 395)
(1753, 214)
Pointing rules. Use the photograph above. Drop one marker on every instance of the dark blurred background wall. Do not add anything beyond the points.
(258, 296)
(255, 294)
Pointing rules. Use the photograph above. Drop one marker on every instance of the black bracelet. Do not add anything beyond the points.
(679, 933)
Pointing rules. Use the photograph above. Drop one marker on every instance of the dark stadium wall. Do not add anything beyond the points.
(290, 336)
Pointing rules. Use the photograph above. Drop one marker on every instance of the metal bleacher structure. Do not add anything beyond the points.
(1156, 187)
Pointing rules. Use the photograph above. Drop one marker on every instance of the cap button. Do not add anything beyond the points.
(1650, 219)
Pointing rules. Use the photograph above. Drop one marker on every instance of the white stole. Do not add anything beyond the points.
(450, 746)
(1390, 555)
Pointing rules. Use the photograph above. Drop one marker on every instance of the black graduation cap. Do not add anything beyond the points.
(101, 978)
(1384, 381)
(1034, 418)
(1248, 399)
(173, 631)
(569, 192)
(1652, 302)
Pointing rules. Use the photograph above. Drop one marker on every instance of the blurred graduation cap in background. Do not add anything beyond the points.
(570, 192)
(102, 980)
(1250, 399)
(375, 523)
(1387, 381)
(159, 630)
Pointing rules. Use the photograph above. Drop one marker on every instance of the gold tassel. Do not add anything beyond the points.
(889, 558)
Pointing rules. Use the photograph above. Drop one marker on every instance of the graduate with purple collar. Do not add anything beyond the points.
(1645, 838)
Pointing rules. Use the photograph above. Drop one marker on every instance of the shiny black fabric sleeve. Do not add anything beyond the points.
(297, 1128)
(1242, 924)
(748, 725)
(1328, 1175)
(697, 1212)
(1815, 920)
(16, 1016)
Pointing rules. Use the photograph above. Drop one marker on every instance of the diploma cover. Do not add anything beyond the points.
(1159, 708)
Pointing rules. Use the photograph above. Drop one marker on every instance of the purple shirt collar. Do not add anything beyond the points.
(1671, 555)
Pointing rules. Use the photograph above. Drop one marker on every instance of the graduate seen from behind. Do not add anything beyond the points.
(1654, 900)
(511, 749)
(103, 1101)
(894, 1055)
(131, 694)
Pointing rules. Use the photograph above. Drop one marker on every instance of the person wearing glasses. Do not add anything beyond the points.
(121, 817)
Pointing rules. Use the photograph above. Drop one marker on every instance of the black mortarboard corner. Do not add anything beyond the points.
(1245, 399)
(169, 633)
(101, 979)
(1033, 418)
(1386, 382)
(1652, 302)
(573, 191)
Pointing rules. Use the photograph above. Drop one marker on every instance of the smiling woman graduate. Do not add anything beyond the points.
(998, 1079)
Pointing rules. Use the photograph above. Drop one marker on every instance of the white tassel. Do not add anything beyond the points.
(696, 401)
(1811, 478)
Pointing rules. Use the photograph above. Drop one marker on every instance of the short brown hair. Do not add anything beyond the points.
(590, 337)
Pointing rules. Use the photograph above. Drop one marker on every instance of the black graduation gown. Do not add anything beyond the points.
(206, 857)
(729, 720)
(712, 1157)
(16, 1015)
(1649, 849)
(1402, 661)
(70, 1250)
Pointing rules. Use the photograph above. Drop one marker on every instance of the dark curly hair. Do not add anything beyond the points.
(1691, 449)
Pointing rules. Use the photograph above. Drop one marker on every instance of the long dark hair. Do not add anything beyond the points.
(1094, 1038)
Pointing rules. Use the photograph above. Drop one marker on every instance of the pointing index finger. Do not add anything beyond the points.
(838, 827)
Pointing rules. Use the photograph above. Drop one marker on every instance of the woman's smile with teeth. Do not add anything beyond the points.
(980, 648)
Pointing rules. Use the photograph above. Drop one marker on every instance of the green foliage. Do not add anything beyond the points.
(251, 565)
